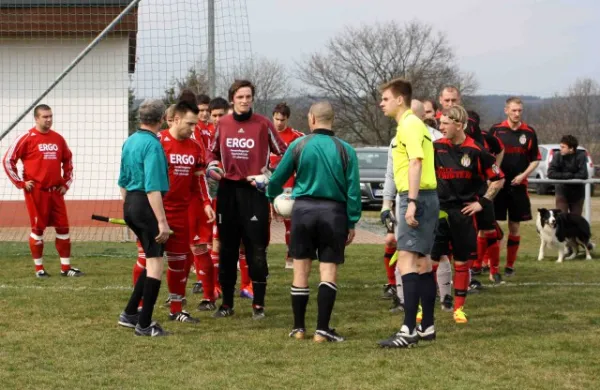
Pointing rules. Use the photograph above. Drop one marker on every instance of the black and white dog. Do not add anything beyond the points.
(565, 231)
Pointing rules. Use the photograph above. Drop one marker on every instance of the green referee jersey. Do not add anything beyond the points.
(144, 164)
(322, 171)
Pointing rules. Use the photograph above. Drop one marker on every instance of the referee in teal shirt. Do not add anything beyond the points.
(326, 208)
(144, 180)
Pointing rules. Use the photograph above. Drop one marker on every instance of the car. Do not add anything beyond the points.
(541, 172)
(372, 164)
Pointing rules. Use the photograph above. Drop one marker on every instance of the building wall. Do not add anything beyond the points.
(90, 106)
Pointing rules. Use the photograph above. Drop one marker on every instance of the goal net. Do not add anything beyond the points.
(93, 62)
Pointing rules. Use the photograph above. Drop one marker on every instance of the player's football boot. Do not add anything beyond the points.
(197, 288)
(427, 334)
(496, 278)
(322, 336)
(153, 330)
(247, 291)
(389, 290)
(476, 271)
(207, 305)
(508, 272)
(258, 313)
(474, 286)
(223, 311)
(448, 303)
(402, 339)
(42, 274)
(419, 314)
(128, 320)
(460, 317)
(72, 272)
(485, 268)
(397, 305)
(183, 316)
(298, 333)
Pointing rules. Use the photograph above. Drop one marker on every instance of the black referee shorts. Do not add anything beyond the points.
(319, 230)
(140, 218)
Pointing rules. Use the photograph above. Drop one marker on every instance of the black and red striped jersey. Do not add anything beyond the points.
(462, 171)
(492, 143)
(520, 148)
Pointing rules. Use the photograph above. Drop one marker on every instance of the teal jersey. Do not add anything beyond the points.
(144, 164)
(322, 171)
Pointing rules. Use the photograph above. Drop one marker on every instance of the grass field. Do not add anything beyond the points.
(539, 331)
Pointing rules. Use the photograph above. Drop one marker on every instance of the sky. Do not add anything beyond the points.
(522, 47)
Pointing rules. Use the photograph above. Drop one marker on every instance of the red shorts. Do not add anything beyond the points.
(46, 208)
(178, 242)
(200, 231)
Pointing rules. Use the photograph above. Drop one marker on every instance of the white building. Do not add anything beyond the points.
(38, 40)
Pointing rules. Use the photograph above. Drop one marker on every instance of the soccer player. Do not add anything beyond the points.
(430, 108)
(143, 180)
(326, 209)
(521, 157)
(281, 115)
(416, 213)
(462, 168)
(242, 144)
(47, 176)
(208, 271)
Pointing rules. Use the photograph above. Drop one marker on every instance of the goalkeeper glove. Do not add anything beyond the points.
(388, 219)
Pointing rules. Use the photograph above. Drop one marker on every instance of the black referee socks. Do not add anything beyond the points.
(427, 293)
(300, 297)
(411, 299)
(325, 302)
(136, 295)
(151, 288)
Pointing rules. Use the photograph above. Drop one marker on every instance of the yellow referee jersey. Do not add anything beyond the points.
(413, 141)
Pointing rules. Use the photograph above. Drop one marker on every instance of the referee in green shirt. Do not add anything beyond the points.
(326, 208)
(143, 181)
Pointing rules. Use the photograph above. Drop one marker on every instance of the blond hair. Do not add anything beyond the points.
(457, 114)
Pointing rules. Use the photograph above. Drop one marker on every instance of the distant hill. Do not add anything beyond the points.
(491, 107)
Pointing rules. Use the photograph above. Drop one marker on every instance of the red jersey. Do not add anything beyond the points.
(47, 160)
(185, 158)
(203, 133)
(288, 135)
(244, 147)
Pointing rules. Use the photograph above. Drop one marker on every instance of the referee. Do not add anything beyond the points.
(327, 206)
(417, 213)
(143, 180)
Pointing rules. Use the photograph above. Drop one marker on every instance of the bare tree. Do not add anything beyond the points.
(360, 59)
(196, 79)
(271, 80)
(577, 112)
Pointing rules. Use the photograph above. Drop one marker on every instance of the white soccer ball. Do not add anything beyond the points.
(283, 205)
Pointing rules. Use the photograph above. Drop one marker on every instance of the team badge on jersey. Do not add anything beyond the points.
(465, 161)
(522, 139)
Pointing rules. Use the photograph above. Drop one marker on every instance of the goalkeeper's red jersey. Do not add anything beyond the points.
(185, 158)
(47, 160)
(288, 135)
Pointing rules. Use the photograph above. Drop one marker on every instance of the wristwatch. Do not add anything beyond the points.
(413, 201)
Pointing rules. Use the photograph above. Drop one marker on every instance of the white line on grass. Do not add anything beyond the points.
(105, 288)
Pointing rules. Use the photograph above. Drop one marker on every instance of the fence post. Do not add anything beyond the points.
(588, 202)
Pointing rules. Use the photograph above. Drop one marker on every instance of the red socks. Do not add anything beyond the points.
(461, 284)
(63, 247)
(36, 246)
(215, 260)
(207, 270)
(244, 270)
(390, 270)
(493, 251)
(481, 249)
(512, 248)
(288, 225)
(176, 279)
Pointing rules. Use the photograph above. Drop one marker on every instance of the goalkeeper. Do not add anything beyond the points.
(242, 144)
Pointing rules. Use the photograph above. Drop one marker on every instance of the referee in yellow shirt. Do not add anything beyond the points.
(417, 213)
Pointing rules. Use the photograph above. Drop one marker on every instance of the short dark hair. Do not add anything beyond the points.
(399, 87)
(283, 109)
(41, 107)
(570, 141)
(218, 103)
(237, 84)
(183, 107)
(187, 95)
(432, 102)
(203, 99)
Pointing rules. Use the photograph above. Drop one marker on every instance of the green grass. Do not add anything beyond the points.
(536, 332)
